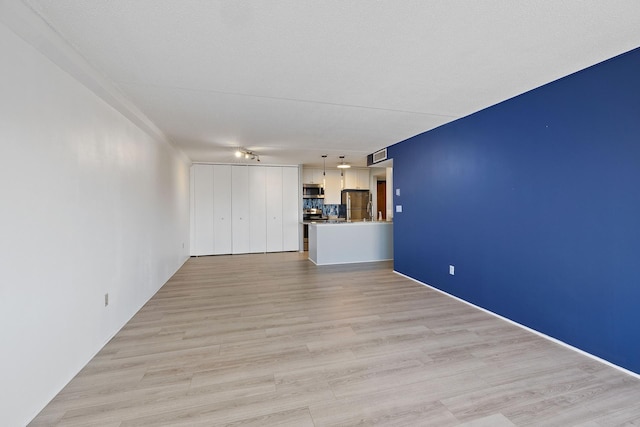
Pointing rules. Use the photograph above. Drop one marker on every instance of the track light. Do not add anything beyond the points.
(247, 154)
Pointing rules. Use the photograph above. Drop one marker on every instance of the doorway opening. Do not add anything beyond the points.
(381, 200)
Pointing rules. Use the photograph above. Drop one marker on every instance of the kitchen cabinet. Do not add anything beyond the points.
(222, 242)
(244, 209)
(331, 181)
(240, 223)
(350, 179)
(312, 176)
(332, 188)
(307, 175)
(364, 178)
(346, 243)
(356, 179)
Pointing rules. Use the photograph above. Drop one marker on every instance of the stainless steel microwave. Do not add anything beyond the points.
(312, 191)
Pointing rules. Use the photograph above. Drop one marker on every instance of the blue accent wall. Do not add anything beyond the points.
(536, 201)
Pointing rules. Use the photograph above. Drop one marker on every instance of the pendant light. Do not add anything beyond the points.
(324, 171)
(343, 164)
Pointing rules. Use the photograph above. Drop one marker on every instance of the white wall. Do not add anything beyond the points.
(89, 204)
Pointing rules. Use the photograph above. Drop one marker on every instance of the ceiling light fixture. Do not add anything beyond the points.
(324, 171)
(247, 154)
(343, 164)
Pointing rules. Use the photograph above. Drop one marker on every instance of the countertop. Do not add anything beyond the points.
(343, 222)
(322, 221)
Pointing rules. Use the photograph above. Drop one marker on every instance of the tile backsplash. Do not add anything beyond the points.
(337, 210)
(312, 203)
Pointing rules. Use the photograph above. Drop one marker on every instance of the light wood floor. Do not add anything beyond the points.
(272, 340)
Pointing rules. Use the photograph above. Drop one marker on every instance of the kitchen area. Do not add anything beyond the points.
(346, 215)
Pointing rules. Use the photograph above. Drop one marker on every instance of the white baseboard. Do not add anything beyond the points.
(557, 341)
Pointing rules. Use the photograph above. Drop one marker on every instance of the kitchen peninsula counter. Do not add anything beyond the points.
(350, 242)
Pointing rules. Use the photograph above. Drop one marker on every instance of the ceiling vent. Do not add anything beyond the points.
(379, 156)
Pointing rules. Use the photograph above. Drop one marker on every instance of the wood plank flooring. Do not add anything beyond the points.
(273, 340)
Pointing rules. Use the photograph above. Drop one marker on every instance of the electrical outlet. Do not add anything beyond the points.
(106, 299)
(452, 270)
(397, 191)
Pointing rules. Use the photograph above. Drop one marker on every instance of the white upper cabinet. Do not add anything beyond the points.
(312, 176)
(307, 175)
(364, 178)
(332, 188)
(240, 223)
(356, 179)
(331, 180)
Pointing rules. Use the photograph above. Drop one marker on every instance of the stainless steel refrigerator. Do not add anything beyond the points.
(358, 204)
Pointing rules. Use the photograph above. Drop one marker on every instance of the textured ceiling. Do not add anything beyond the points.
(295, 79)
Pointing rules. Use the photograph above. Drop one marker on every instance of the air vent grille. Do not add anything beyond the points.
(379, 156)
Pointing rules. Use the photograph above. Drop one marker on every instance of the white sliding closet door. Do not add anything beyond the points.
(202, 205)
(240, 210)
(222, 209)
(237, 209)
(290, 209)
(274, 209)
(258, 209)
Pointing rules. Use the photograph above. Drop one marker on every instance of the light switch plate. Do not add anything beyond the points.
(398, 208)
(397, 191)
(452, 270)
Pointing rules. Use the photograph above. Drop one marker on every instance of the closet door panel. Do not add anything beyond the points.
(257, 209)
(274, 209)
(222, 209)
(202, 215)
(290, 209)
(240, 209)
